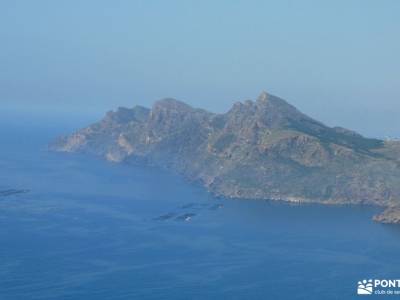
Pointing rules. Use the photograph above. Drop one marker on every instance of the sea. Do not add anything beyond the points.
(77, 227)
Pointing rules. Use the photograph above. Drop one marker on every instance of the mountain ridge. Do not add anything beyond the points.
(263, 149)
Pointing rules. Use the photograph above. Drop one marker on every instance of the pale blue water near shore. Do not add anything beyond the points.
(88, 229)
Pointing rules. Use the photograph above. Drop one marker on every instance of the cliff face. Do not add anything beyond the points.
(264, 149)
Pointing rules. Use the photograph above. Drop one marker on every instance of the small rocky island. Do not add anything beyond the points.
(263, 149)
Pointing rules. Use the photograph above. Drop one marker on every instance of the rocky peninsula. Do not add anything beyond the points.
(263, 149)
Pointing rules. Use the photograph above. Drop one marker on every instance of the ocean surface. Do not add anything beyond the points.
(76, 227)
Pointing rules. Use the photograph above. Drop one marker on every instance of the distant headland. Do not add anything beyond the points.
(263, 149)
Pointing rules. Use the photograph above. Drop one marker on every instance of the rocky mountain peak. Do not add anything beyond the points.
(124, 115)
(263, 97)
(171, 104)
(275, 104)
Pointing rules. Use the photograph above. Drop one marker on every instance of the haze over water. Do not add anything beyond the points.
(335, 60)
(92, 229)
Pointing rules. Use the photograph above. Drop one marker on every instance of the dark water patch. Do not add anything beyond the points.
(198, 207)
(165, 217)
(11, 192)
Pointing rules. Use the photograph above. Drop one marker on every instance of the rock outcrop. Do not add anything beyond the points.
(263, 149)
(389, 215)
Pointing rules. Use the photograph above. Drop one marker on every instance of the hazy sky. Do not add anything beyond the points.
(335, 60)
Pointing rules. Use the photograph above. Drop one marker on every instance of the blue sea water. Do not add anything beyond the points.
(88, 229)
